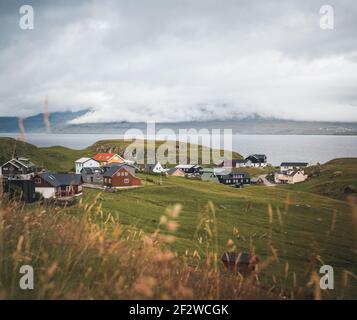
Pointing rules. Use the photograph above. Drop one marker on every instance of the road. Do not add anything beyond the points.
(266, 181)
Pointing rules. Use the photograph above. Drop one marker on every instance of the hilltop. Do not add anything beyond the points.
(61, 159)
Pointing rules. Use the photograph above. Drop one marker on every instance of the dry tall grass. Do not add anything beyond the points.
(76, 258)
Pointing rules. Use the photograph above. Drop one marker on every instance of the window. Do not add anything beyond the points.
(126, 174)
(126, 180)
(37, 180)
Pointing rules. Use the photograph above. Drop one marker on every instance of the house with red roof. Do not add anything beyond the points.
(107, 158)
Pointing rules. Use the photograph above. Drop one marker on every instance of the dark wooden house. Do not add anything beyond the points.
(234, 178)
(17, 179)
(18, 169)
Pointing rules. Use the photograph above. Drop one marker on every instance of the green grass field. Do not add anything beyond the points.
(306, 228)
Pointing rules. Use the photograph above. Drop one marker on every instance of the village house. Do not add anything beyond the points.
(287, 166)
(121, 176)
(256, 160)
(107, 158)
(154, 168)
(189, 168)
(16, 177)
(18, 169)
(290, 176)
(233, 178)
(235, 163)
(85, 162)
(208, 174)
(256, 180)
(243, 163)
(175, 172)
(92, 175)
(58, 185)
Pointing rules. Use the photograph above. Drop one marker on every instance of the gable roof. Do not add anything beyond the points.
(173, 170)
(105, 156)
(259, 157)
(114, 168)
(82, 160)
(25, 162)
(152, 166)
(91, 170)
(229, 174)
(61, 179)
(187, 166)
(21, 162)
(294, 164)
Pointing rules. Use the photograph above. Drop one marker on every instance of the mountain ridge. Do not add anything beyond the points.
(255, 124)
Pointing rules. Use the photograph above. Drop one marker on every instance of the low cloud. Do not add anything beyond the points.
(181, 60)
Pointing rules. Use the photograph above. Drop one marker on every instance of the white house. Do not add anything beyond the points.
(155, 168)
(85, 163)
(290, 177)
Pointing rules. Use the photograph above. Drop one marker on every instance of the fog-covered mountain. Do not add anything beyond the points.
(59, 122)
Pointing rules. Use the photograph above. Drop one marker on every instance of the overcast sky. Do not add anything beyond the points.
(169, 60)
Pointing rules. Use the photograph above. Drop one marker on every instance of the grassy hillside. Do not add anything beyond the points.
(293, 232)
(58, 158)
(331, 178)
(55, 158)
(293, 229)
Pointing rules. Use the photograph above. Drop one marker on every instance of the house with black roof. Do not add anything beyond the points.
(233, 178)
(256, 160)
(16, 178)
(189, 168)
(58, 185)
(18, 169)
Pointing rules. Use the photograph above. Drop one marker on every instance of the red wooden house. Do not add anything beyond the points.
(120, 176)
